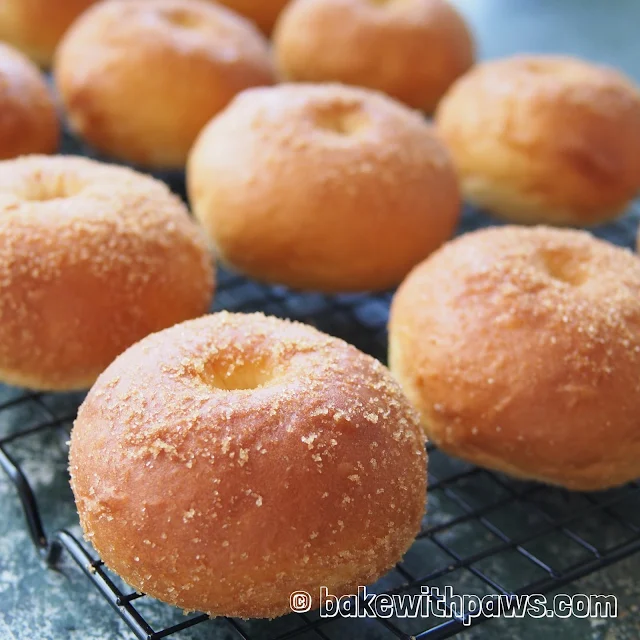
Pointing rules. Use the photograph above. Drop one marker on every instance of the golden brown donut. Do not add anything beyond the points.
(322, 187)
(545, 139)
(412, 50)
(93, 257)
(226, 462)
(520, 347)
(263, 12)
(28, 119)
(140, 79)
(36, 26)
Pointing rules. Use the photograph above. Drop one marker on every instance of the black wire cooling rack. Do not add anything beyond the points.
(483, 534)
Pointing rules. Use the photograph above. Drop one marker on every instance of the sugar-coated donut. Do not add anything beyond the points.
(36, 26)
(140, 79)
(520, 347)
(412, 50)
(545, 139)
(322, 187)
(264, 13)
(28, 118)
(226, 462)
(92, 258)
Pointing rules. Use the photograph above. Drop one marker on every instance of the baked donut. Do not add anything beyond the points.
(412, 50)
(264, 13)
(525, 356)
(92, 258)
(36, 26)
(545, 139)
(322, 187)
(28, 119)
(252, 450)
(140, 79)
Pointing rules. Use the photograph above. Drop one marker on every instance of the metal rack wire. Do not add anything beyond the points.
(479, 527)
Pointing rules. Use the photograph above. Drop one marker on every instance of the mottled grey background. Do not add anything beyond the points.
(40, 604)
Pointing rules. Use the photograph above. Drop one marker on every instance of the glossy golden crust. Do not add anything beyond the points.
(412, 50)
(545, 139)
(36, 26)
(263, 12)
(92, 258)
(28, 119)
(322, 187)
(525, 356)
(228, 461)
(140, 79)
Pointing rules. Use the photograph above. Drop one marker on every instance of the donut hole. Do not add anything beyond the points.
(236, 377)
(563, 268)
(341, 120)
(554, 68)
(541, 67)
(39, 191)
(182, 18)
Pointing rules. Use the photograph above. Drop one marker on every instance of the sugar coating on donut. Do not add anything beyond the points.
(252, 449)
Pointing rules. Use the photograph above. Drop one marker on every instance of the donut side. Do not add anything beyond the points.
(28, 118)
(264, 13)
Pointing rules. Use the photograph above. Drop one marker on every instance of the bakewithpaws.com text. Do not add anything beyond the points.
(444, 603)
